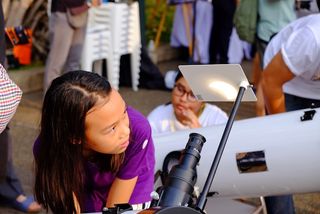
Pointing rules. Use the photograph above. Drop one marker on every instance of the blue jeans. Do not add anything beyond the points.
(280, 204)
(10, 187)
(295, 103)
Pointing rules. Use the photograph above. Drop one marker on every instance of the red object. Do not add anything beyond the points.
(23, 52)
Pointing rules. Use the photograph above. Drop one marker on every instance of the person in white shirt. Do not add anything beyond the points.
(184, 111)
(291, 78)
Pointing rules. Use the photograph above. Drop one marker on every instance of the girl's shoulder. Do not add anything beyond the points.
(141, 143)
(139, 124)
(135, 116)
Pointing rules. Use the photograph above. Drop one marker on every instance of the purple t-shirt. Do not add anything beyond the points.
(139, 161)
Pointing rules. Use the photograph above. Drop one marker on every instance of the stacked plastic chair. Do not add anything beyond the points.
(97, 46)
(123, 23)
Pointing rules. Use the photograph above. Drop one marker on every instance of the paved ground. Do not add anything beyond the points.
(25, 126)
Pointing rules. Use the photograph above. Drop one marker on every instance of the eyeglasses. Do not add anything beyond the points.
(180, 91)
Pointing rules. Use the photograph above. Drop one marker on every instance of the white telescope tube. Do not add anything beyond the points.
(291, 150)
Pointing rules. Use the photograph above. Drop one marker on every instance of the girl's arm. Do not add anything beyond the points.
(120, 191)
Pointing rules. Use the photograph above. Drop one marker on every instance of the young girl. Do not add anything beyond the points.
(184, 111)
(93, 150)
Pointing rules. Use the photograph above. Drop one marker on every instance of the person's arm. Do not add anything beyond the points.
(120, 191)
(274, 76)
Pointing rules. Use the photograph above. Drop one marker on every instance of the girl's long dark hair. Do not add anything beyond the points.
(59, 162)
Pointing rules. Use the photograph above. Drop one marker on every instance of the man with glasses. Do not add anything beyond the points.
(184, 111)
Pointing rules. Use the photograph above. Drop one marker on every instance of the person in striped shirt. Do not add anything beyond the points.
(11, 191)
(10, 96)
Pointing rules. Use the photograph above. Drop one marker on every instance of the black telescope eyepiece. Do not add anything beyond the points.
(191, 153)
(196, 142)
(179, 185)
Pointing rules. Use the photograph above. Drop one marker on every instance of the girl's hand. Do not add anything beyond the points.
(190, 119)
(120, 191)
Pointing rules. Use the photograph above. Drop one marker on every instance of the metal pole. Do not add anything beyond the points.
(203, 196)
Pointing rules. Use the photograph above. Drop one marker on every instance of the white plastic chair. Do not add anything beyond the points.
(97, 47)
(123, 23)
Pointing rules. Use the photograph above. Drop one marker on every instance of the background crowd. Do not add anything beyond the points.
(286, 71)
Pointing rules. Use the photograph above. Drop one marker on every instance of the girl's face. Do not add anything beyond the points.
(183, 99)
(107, 125)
